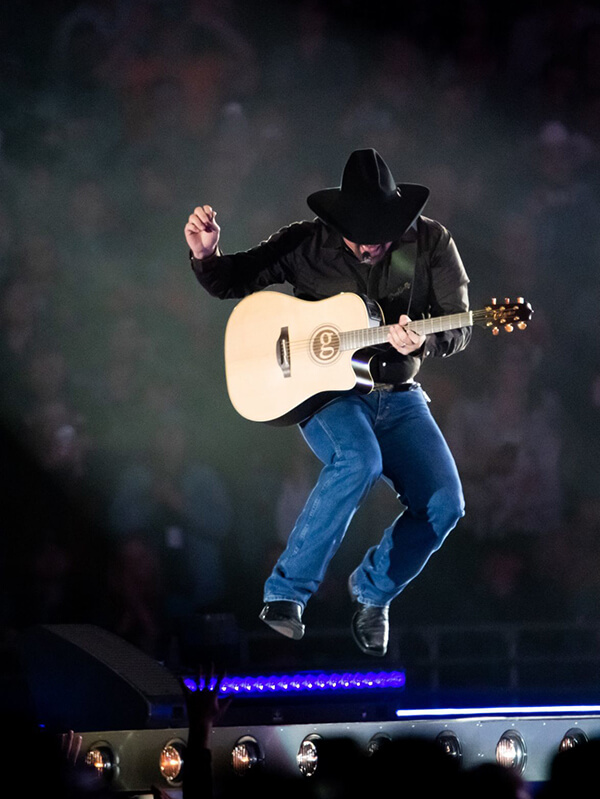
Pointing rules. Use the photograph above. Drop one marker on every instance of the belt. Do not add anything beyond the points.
(393, 387)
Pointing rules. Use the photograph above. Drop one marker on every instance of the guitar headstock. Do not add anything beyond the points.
(504, 316)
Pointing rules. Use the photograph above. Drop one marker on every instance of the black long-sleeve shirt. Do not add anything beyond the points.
(422, 275)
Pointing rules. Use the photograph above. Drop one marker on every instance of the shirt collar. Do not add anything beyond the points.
(331, 238)
(410, 234)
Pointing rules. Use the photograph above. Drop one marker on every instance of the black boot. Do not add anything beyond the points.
(371, 629)
(284, 617)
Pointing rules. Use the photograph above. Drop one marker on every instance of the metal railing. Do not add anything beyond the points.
(513, 659)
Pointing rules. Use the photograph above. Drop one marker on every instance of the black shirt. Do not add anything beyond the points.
(422, 275)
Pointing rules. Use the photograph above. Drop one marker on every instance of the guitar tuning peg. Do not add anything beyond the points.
(493, 300)
(508, 328)
(520, 300)
(495, 331)
(522, 325)
(507, 300)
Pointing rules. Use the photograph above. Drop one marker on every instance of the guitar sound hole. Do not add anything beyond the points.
(325, 345)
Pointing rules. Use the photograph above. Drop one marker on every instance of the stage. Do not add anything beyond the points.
(529, 737)
(131, 715)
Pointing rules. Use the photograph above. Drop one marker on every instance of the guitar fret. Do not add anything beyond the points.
(371, 336)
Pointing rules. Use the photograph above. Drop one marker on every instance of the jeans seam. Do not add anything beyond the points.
(327, 430)
(305, 527)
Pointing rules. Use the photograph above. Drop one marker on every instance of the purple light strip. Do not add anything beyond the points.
(306, 683)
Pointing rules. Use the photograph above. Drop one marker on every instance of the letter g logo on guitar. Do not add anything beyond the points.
(325, 345)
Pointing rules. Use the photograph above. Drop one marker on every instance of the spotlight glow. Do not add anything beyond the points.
(246, 755)
(102, 758)
(572, 738)
(308, 756)
(171, 761)
(511, 752)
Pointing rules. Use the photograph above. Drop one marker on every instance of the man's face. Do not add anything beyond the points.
(371, 253)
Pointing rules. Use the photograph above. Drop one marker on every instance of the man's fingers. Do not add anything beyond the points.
(206, 213)
(403, 339)
(405, 333)
(204, 218)
(77, 742)
(401, 334)
(193, 226)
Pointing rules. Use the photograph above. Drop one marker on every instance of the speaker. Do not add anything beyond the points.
(83, 678)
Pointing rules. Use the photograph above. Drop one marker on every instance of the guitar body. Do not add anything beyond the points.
(283, 358)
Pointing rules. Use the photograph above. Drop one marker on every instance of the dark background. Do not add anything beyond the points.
(134, 497)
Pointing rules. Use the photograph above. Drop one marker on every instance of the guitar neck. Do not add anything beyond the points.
(371, 336)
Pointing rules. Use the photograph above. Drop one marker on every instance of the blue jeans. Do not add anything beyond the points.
(360, 439)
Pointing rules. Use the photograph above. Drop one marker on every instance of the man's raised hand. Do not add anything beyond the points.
(202, 232)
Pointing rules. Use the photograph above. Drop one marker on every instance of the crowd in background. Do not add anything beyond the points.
(140, 499)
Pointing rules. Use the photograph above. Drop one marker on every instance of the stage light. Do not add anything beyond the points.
(101, 757)
(450, 744)
(246, 755)
(377, 742)
(572, 738)
(307, 756)
(306, 682)
(502, 710)
(171, 761)
(511, 752)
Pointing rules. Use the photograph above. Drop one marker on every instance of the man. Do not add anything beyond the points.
(369, 238)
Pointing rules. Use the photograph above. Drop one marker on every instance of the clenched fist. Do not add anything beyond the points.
(202, 232)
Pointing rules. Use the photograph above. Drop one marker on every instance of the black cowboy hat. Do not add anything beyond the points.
(369, 207)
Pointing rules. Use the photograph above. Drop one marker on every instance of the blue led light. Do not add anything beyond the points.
(307, 683)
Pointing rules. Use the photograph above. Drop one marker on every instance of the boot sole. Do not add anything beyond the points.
(284, 627)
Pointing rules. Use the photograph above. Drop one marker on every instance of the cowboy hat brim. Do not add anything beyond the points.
(370, 220)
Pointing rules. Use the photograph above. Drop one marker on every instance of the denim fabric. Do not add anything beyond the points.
(360, 439)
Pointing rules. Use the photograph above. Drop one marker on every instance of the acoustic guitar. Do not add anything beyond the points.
(285, 358)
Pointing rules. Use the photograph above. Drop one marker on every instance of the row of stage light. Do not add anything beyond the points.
(248, 755)
(244, 750)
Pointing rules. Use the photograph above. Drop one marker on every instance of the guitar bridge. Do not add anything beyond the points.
(283, 352)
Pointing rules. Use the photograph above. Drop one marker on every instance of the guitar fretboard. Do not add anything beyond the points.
(371, 336)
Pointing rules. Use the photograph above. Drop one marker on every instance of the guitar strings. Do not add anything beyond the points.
(304, 344)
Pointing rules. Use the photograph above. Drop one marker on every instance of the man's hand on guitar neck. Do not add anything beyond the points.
(403, 339)
(202, 232)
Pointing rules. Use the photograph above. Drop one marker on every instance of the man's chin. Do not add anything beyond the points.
(372, 257)
(374, 254)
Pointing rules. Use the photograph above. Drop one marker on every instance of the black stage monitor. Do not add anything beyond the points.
(83, 678)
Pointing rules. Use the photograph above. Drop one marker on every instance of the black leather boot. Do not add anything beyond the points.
(284, 617)
(371, 629)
